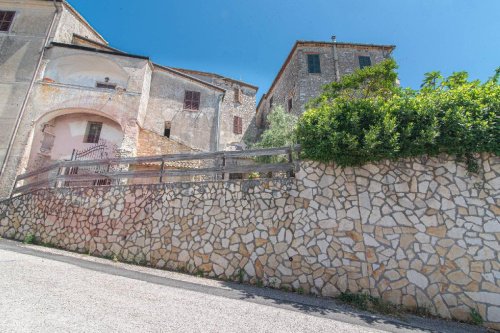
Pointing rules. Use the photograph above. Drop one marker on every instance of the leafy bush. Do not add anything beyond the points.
(281, 131)
(366, 117)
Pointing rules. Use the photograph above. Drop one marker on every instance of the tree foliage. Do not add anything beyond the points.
(281, 131)
(367, 117)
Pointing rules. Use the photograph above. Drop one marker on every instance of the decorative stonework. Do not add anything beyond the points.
(419, 232)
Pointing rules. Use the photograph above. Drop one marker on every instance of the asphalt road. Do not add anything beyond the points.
(48, 290)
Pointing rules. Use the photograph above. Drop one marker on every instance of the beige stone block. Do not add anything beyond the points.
(461, 312)
(455, 252)
(441, 307)
(437, 231)
(458, 277)
(392, 296)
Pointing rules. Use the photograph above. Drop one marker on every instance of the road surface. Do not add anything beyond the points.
(48, 290)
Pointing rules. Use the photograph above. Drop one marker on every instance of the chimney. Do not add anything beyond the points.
(335, 59)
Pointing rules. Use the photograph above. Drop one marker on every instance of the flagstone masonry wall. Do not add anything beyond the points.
(419, 232)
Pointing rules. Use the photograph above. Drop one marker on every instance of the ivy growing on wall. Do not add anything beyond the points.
(367, 117)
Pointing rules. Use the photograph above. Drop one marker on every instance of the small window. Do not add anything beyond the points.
(6, 19)
(166, 132)
(237, 125)
(290, 105)
(93, 132)
(271, 102)
(105, 85)
(233, 176)
(313, 63)
(364, 61)
(237, 95)
(192, 100)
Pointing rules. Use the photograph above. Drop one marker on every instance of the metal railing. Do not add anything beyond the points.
(160, 169)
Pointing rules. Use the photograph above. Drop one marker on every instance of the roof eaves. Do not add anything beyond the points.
(189, 77)
(91, 49)
(96, 43)
(196, 72)
(307, 42)
(282, 69)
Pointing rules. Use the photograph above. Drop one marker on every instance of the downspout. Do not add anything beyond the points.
(30, 88)
(217, 121)
(335, 59)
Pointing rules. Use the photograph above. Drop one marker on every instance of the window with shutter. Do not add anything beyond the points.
(237, 95)
(6, 18)
(237, 125)
(364, 61)
(192, 100)
(313, 64)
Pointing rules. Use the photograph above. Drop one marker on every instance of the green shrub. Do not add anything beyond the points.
(281, 130)
(366, 117)
(476, 317)
(29, 239)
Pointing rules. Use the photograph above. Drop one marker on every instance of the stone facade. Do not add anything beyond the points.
(56, 63)
(421, 232)
(295, 83)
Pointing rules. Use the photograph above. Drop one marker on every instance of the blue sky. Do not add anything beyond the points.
(250, 39)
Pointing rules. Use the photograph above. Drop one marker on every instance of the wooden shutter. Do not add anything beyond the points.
(192, 100)
(237, 95)
(313, 63)
(237, 125)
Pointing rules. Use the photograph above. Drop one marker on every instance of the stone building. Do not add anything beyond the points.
(63, 89)
(309, 66)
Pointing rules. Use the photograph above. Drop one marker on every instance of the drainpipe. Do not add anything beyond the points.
(335, 59)
(217, 121)
(30, 88)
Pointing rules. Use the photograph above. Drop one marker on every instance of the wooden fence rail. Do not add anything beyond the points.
(222, 164)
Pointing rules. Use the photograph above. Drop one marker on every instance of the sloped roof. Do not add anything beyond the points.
(188, 77)
(218, 76)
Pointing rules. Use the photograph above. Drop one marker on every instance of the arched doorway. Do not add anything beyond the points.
(57, 138)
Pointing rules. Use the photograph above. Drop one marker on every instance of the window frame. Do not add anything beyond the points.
(314, 69)
(364, 57)
(95, 138)
(3, 13)
(194, 99)
(237, 125)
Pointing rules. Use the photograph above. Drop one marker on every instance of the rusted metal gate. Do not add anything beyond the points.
(96, 152)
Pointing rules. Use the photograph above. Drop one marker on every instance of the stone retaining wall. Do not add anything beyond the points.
(419, 232)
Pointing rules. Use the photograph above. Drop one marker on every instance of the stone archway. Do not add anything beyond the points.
(58, 134)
